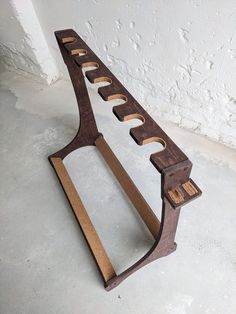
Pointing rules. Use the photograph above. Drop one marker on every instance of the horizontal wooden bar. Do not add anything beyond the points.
(129, 187)
(86, 225)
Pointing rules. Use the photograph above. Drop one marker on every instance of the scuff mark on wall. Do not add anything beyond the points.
(209, 65)
(183, 35)
(118, 24)
(132, 24)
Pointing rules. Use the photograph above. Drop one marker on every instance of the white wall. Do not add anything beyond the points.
(22, 43)
(178, 58)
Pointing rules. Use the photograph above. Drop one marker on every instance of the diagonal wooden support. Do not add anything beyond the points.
(177, 188)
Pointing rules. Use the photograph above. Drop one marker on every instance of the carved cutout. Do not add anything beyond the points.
(68, 40)
(155, 139)
(89, 64)
(189, 188)
(103, 79)
(117, 96)
(176, 196)
(134, 116)
(79, 52)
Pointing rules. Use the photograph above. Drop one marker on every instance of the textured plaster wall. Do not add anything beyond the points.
(178, 58)
(22, 43)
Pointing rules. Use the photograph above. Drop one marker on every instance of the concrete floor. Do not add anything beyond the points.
(45, 264)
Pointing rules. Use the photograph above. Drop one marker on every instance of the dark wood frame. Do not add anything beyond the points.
(177, 188)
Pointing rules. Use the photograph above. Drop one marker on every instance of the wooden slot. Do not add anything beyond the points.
(134, 116)
(155, 139)
(79, 52)
(129, 187)
(189, 188)
(117, 96)
(176, 196)
(67, 40)
(90, 64)
(103, 79)
(86, 225)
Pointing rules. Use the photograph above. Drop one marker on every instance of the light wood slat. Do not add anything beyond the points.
(87, 227)
(129, 187)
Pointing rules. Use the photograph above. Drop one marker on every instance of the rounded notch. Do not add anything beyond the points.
(102, 79)
(134, 116)
(68, 40)
(117, 96)
(154, 139)
(90, 64)
(79, 52)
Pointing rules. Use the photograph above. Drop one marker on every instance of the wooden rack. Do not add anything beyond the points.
(177, 188)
